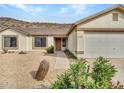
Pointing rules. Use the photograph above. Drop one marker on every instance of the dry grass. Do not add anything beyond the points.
(18, 70)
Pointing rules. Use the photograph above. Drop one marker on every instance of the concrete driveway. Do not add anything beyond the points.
(119, 64)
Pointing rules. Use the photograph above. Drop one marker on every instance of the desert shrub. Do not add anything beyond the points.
(78, 76)
(11, 52)
(50, 49)
(102, 72)
(75, 77)
(63, 82)
(70, 54)
(5, 50)
(22, 52)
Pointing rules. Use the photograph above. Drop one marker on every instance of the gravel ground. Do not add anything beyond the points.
(18, 70)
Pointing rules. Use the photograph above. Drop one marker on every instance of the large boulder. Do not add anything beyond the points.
(42, 70)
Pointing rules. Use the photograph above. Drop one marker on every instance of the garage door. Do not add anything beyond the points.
(106, 44)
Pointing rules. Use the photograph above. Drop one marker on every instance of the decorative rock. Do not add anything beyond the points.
(42, 70)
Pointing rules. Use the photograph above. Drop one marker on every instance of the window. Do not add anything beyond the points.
(10, 42)
(64, 42)
(40, 42)
(115, 16)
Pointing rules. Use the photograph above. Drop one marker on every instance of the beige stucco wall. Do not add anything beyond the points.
(50, 41)
(105, 21)
(80, 43)
(72, 41)
(25, 43)
(29, 43)
(21, 39)
(76, 42)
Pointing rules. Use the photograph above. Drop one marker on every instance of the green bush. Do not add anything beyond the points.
(50, 49)
(22, 52)
(75, 77)
(78, 75)
(63, 82)
(102, 72)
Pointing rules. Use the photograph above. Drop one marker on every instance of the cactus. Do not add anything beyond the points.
(42, 71)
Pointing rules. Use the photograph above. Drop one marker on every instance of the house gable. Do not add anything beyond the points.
(12, 31)
(105, 21)
(117, 7)
(92, 21)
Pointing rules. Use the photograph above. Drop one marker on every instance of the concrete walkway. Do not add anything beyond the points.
(62, 61)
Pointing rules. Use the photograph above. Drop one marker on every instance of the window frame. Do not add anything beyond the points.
(63, 43)
(9, 36)
(33, 43)
(115, 16)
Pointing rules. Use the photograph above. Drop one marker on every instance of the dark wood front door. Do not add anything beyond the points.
(58, 44)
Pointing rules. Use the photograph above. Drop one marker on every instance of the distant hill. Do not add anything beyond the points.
(10, 22)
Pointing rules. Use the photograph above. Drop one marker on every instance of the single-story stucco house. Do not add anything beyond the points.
(101, 34)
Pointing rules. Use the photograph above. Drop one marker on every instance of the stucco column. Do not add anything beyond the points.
(50, 41)
(80, 43)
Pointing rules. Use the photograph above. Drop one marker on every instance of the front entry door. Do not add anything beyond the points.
(58, 44)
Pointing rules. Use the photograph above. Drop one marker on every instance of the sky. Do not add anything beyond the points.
(55, 13)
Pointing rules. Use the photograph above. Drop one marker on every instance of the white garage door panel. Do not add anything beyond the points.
(106, 44)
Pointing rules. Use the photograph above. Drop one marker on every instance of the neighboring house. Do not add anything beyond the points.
(101, 34)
